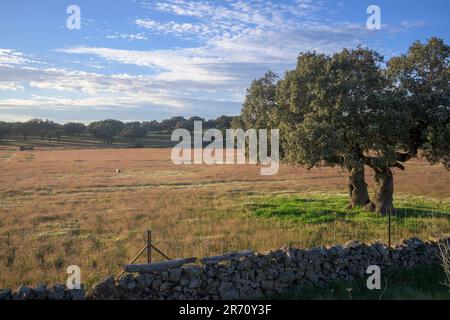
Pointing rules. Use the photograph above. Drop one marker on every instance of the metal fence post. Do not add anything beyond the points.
(389, 227)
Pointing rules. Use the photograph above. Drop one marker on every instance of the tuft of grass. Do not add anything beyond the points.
(425, 283)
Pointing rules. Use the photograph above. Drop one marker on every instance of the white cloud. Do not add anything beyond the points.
(67, 90)
(11, 86)
(231, 34)
(173, 65)
(11, 117)
(179, 29)
(13, 57)
(97, 102)
(239, 41)
(232, 42)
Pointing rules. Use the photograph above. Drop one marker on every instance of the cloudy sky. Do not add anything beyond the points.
(151, 59)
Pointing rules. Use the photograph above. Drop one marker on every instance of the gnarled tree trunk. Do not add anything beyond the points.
(382, 199)
(357, 187)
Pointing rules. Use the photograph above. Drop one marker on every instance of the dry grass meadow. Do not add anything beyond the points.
(63, 207)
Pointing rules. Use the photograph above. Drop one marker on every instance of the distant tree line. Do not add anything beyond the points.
(107, 129)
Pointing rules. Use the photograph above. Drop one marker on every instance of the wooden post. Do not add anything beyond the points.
(149, 246)
(151, 266)
(160, 252)
(389, 228)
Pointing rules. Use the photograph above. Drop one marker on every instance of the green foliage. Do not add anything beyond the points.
(170, 124)
(5, 128)
(74, 128)
(106, 129)
(22, 129)
(38, 127)
(189, 123)
(109, 129)
(151, 126)
(221, 123)
(421, 78)
(334, 109)
(349, 108)
(133, 130)
(258, 108)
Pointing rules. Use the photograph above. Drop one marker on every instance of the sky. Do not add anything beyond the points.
(140, 60)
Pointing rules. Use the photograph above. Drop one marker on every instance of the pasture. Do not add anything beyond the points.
(61, 207)
(85, 141)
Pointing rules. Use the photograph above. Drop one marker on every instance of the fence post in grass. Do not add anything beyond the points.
(389, 227)
(149, 246)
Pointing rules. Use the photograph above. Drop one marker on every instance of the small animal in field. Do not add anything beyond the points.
(117, 170)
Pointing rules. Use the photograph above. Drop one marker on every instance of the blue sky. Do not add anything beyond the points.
(152, 59)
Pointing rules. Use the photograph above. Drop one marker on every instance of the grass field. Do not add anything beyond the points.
(62, 207)
(153, 139)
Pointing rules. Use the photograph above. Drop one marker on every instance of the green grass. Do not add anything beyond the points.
(326, 208)
(419, 283)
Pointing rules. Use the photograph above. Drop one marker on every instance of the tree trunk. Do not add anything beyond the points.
(382, 199)
(357, 187)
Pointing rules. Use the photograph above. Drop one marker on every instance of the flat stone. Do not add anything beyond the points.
(56, 292)
(195, 283)
(267, 284)
(23, 293)
(175, 275)
(5, 294)
(40, 293)
(77, 294)
(192, 272)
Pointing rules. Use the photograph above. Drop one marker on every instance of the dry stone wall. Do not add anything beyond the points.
(256, 276)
